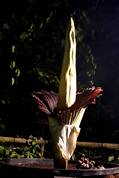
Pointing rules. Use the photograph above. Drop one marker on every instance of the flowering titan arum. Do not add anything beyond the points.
(66, 109)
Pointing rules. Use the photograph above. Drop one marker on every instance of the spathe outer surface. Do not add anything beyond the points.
(65, 110)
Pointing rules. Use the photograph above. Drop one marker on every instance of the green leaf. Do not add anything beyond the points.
(2, 149)
(13, 81)
(17, 71)
(13, 48)
(110, 158)
(12, 64)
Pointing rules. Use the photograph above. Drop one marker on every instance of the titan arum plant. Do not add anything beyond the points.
(65, 110)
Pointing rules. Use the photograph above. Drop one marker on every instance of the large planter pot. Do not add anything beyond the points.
(44, 168)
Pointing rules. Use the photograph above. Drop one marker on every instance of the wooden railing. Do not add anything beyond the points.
(43, 142)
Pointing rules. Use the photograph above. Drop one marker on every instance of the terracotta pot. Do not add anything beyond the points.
(21, 167)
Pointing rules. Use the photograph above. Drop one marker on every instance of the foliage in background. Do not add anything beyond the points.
(33, 150)
(32, 46)
(29, 150)
(99, 154)
(86, 62)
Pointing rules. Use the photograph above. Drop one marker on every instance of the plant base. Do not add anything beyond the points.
(32, 167)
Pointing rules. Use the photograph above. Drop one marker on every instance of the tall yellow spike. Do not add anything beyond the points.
(67, 88)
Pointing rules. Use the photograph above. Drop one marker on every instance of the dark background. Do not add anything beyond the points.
(31, 51)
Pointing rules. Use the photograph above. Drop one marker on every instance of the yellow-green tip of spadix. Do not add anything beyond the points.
(67, 88)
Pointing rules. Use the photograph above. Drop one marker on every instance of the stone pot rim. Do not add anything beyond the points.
(27, 163)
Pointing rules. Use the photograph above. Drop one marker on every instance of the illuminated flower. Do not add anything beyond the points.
(65, 110)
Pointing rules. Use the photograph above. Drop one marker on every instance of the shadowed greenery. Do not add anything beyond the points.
(32, 45)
